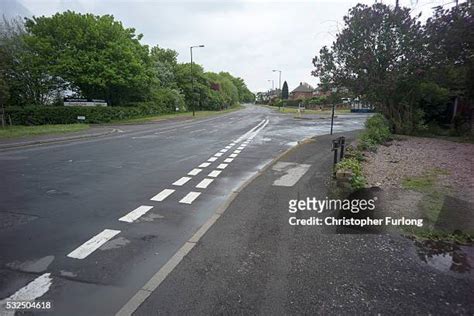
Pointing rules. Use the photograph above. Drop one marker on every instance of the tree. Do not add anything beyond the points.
(96, 55)
(378, 55)
(284, 91)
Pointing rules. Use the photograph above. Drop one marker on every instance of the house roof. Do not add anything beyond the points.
(303, 87)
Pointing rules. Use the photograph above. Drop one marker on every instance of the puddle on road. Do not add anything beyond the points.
(446, 256)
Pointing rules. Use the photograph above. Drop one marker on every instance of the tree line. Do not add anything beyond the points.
(411, 71)
(42, 59)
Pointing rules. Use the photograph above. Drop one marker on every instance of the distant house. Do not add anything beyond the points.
(303, 91)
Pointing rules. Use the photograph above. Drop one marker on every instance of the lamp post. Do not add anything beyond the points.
(192, 76)
(279, 79)
(273, 83)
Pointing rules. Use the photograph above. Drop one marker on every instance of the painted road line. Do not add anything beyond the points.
(30, 292)
(204, 165)
(232, 144)
(214, 173)
(190, 197)
(194, 172)
(212, 159)
(241, 147)
(292, 173)
(228, 147)
(218, 154)
(135, 214)
(93, 244)
(233, 155)
(228, 160)
(237, 151)
(223, 150)
(181, 181)
(204, 183)
(222, 166)
(162, 195)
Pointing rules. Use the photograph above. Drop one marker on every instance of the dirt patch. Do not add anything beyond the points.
(414, 156)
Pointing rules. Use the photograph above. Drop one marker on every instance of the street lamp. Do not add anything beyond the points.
(273, 83)
(279, 79)
(192, 75)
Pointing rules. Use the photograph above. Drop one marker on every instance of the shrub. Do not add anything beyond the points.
(377, 132)
(354, 166)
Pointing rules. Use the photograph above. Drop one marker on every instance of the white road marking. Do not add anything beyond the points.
(237, 151)
(228, 147)
(214, 173)
(293, 172)
(241, 147)
(228, 160)
(30, 292)
(232, 144)
(93, 244)
(218, 154)
(204, 183)
(190, 197)
(222, 166)
(212, 159)
(135, 214)
(194, 172)
(181, 181)
(223, 150)
(162, 195)
(204, 165)
(233, 155)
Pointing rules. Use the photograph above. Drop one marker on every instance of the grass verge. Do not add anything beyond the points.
(23, 131)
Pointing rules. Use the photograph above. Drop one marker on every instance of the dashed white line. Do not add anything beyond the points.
(241, 147)
(204, 183)
(222, 166)
(135, 214)
(228, 147)
(218, 154)
(237, 151)
(223, 150)
(204, 165)
(233, 155)
(33, 290)
(162, 195)
(194, 172)
(212, 159)
(214, 173)
(93, 244)
(181, 181)
(228, 160)
(190, 197)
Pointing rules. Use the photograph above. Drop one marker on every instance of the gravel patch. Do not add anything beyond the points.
(414, 156)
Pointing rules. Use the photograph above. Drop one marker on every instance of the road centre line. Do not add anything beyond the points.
(190, 197)
(135, 214)
(194, 172)
(204, 183)
(162, 195)
(222, 166)
(214, 173)
(30, 292)
(204, 165)
(181, 181)
(93, 244)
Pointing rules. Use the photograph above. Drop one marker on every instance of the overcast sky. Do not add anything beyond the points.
(246, 38)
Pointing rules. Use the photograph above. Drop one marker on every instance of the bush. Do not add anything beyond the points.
(377, 132)
(36, 115)
(354, 166)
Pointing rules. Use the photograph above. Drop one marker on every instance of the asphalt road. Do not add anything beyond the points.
(60, 235)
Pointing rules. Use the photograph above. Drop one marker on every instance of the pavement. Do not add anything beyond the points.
(251, 261)
(86, 223)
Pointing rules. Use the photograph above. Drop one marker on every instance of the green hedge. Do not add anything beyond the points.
(377, 131)
(36, 115)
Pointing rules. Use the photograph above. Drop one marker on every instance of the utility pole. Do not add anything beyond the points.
(192, 78)
(279, 79)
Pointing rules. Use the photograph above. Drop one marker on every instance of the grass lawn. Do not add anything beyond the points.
(295, 110)
(199, 114)
(20, 131)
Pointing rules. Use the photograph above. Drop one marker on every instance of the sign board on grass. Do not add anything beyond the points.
(84, 102)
